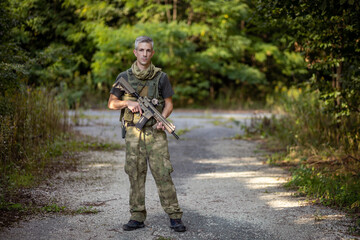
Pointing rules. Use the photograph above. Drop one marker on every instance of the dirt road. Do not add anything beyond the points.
(224, 188)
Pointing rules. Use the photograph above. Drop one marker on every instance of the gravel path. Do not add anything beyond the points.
(224, 188)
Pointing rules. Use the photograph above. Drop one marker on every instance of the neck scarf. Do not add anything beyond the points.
(146, 74)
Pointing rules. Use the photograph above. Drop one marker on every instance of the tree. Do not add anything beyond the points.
(204, 46)
(210, 49)
(13, 59)
(327, 32)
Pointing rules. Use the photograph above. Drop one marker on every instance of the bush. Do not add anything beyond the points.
(337, 188)
(306, 122)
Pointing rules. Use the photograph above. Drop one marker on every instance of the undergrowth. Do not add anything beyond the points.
(321, 149)
(35, 143)
(30, 122)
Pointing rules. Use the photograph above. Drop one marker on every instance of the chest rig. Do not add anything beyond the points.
(148, 88)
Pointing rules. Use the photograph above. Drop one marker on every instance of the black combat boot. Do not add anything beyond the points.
(177, 225)
(133, 225)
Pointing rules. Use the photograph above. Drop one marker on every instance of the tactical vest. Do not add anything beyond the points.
(149, 88)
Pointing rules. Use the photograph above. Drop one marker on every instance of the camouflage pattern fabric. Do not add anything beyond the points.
(149, 145)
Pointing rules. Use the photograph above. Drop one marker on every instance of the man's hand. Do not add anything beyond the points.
(160, 126)
(134, 107)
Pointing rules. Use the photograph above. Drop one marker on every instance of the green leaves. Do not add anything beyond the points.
(210, 41)
(326, 33)
(212, 46)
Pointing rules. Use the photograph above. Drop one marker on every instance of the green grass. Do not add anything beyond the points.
(77, 143)
(226, 123)
(329, 188)
(53, 208)
(9, 206)
(182, 131)
(30, 124)
(163, 238)
(48, 208)
(185, 130)
(207, 116)
(86, 210)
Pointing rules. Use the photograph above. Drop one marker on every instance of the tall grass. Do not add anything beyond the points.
(30, 122)
(324, 148)
(309, 123)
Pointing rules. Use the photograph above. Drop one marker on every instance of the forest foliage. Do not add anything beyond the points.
(208, 48)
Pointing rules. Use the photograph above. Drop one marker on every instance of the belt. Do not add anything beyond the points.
(149, 123)
(129, 124)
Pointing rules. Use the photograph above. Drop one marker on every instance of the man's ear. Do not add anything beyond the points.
(134, 51)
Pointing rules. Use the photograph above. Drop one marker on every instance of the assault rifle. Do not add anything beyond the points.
(148, 109)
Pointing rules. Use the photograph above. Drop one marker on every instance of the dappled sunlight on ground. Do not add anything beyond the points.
(260, 182)
(233, 161)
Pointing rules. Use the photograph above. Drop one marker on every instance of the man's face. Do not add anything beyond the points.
(144, 53)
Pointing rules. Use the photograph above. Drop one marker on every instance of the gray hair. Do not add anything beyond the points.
(144, 39)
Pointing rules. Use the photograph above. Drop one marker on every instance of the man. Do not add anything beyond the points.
(148, 145)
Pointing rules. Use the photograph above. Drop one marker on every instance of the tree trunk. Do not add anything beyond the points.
(212, 93)
(168, 14)
(174, 10)
(337, 81)
(242, 25)
(191, 14)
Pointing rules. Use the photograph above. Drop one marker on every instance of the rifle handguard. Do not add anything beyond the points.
(167, 129)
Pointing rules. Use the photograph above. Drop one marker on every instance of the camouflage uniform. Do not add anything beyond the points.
(148, 145)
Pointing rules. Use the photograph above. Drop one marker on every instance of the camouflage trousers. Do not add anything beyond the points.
(149, 145)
